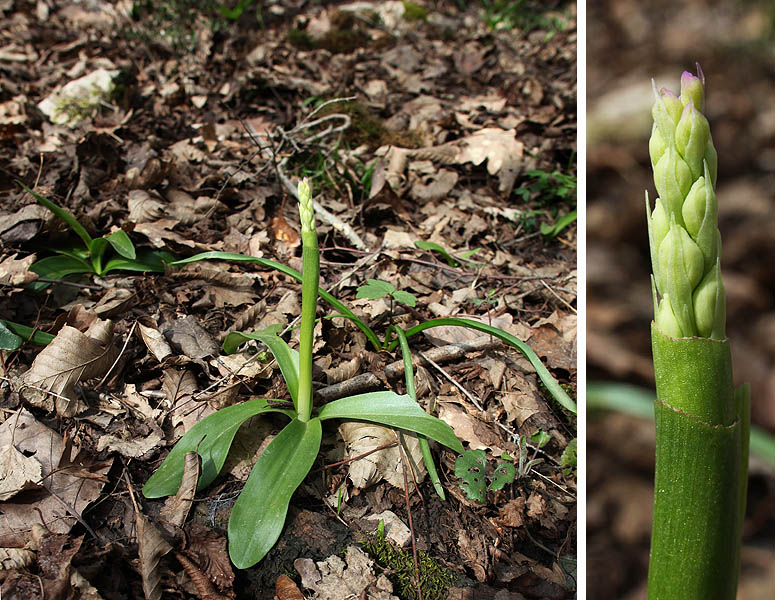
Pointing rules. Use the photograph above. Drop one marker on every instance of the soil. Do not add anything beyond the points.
(458, 128)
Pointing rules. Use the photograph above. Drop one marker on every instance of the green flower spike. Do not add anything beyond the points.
(683, 226)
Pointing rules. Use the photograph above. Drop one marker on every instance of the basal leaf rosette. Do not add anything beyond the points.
(683, 224)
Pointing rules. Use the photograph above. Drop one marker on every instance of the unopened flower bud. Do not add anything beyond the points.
(666, 112)
(710, 305)
(665, 319)
(691, 138)
(693, 88)
(657, 146)
(673, 180)
(680, 265)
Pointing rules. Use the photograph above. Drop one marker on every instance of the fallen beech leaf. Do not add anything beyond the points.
(176, 507)
(500, 149)
(151, 547)
(71, 357)
(155, 342)
(16, 471)
(386, 464)
(283, 231)
(17, 272)
(186, 335)
(72, 482)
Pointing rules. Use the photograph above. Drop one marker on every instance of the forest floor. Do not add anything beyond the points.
(450, 126)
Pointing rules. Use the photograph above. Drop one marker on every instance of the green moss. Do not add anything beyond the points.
(399, 565)
(300, 39)
(414, 12)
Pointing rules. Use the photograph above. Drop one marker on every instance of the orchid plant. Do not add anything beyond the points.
(259, 513)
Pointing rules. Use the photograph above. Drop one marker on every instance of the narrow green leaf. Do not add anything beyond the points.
(286, 357)
(63, 214)
(28, 334)
(258, 516)
(271, 264)
(122, 244)
(388, 408)
(97, 251)
(555, 389)
(434, 247)
(556, 228)
(212, 438)
(374, 289)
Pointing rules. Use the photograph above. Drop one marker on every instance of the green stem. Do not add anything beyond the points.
(310, 272)
(702, 433)
(412, 393)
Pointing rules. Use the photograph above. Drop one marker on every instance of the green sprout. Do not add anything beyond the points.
(375, 289)
(95, 254)
(702, 422)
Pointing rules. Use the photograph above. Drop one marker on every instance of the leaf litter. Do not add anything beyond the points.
(192, 151)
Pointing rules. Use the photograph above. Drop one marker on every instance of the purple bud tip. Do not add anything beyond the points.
(688, 79)
(667, 92)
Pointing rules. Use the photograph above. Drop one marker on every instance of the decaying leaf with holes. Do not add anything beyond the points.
(71, 357)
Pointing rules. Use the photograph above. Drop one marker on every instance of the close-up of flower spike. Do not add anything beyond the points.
(702, 422)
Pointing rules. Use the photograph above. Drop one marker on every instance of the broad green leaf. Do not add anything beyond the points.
(388, 408)
(58, 267)
(504, 474)
(287, 358)
(122, 244)
(258, 516)
(470, 467)
(146, 261)
(8, 339)
(404, 297)
(212, 438)
(29, 334)
(555, 389)
(63, 214)
(374, 289)
(271, 264)
(434, 247)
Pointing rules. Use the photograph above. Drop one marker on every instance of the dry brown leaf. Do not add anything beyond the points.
(351, 577)
(500, 149)
(55, 553)
(143, 207)
(465, 426)
(71, 357)
(386, 464)
(152, 547)
(17, 272)
(286, 589)
(131, 448)
(187, 336)
(16, 558)
(155, 342)
(210, 548)
(175, 510)
(72, 482)
(17, 471)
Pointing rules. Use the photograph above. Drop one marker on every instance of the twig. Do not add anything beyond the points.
(454, 382)
(411, 523)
